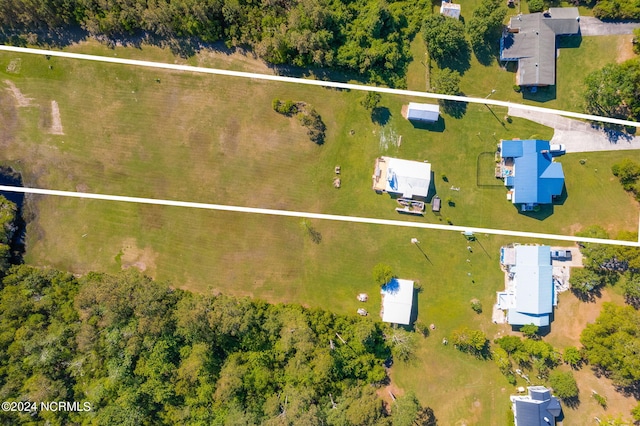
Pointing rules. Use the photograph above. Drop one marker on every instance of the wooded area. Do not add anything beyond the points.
(366, 37)
(614, 91)
(615, 9)
(143, 353)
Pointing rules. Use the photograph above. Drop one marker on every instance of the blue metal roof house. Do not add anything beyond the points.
(538, 408)
(530, 294)
(530, 172)
(426, 113)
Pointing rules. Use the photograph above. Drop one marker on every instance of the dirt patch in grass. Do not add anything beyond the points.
(571, 317)
(131, 256)
(8, 119)
(21, 100)
(625, 48)
(56, 121)
(229, 137)
(385, 392)
(238, 60)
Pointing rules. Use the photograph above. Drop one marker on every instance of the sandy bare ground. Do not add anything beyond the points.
(625, 49)
(56, 121)
(21, 100)
(142, 259)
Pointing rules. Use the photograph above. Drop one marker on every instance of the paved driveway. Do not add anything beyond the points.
(578, 136)
(590, 26)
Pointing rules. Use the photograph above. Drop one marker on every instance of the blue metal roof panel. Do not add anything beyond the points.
(533, 413)
(537, 178)
(511, 149)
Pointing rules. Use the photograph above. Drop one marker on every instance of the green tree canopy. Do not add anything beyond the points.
(485, 27)
(142, 352)
(382, 274)
(535, 5)
(405, 410)
(572, 356)
(585, 281)
(530, 330)
(444, 37)
(564, 385)
(612, 342)
(614, 91)
(471, 341)
(371, 100)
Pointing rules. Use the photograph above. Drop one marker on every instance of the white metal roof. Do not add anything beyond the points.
(408, 178)
(423, 112)
(397, 299)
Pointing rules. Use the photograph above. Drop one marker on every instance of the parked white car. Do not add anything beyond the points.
(557, 149)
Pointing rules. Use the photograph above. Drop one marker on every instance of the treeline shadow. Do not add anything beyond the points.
(456, 109)
(460, 61)
(587, 297)
(486, 53)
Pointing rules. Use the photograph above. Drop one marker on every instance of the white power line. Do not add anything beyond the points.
(334, 84)
(308, 215)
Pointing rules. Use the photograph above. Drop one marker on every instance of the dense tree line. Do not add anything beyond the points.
(607, 264)
(616, 9)
(8, 229)
(611, 344)
(143, 353)
(614, 91)
(367, 37)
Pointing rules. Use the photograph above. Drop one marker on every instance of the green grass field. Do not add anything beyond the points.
(217, 140)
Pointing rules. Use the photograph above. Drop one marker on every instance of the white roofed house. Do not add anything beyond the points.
(397, 301)
(530, 294)
(402, 178)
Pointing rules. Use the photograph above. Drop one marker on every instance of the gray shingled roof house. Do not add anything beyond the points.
(538, 408)
(531, 41)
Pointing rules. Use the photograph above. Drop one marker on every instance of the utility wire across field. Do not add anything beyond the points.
(322, 83)
(320, 216)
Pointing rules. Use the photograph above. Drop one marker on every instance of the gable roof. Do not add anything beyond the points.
(532, 42)
(536, 178)
(530, 294)
(534, 275)
(397, 300)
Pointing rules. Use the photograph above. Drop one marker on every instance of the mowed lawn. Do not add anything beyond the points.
(153, 133)
(578, 56)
